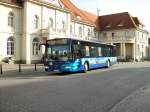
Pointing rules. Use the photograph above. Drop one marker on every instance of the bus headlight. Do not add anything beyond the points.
(68, 67)
(46, 67)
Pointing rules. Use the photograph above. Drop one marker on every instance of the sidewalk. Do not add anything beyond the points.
(139, 101)
(12, 70)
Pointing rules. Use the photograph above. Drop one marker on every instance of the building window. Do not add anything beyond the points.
(95, 35)
(10, 19)
(127, 33)
(138, 36)
(51, 23)
(142, 35)
(89, 32)
(35, 46)
(63, 26)
(36, 22)
(10, 46)
(104, 34)
(113, 35)
(80, 31)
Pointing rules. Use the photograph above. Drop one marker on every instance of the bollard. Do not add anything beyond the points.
(1, 69)
(35, 68)
(19, 67)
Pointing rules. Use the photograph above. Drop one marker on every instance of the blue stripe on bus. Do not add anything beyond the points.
(91, 66)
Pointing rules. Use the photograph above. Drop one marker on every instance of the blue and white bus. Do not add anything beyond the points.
(73, 55)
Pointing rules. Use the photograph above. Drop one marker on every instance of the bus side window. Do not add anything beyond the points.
(111, 52)
(87, 50)
(99, 51)
(76, 53)
(84, 51)
(104, 51)
(94, 51)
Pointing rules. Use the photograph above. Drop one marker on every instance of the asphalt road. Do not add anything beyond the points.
(104, 90)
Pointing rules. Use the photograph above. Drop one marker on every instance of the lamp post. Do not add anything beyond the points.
(1, 68)
(49, 29)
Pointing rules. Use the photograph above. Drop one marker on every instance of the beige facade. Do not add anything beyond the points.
(53, 21)
(130, 43)
(23, 27)
(7, 31)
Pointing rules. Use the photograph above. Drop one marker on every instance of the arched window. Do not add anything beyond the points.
(63, 26)
(70, 29)
(35, 46)
(10, 46)
(36, 22)
(51, 23)
(80, 31)
(10, 19)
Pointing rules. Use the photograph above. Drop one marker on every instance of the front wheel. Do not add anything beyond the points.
(86, 67)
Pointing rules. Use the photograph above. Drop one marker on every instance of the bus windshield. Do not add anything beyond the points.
(59, 52)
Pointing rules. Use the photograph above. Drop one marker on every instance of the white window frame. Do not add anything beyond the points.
(36, 22)
(51, 23)
(35, 47)
(10, 46)
(11, 19)
(80, 31)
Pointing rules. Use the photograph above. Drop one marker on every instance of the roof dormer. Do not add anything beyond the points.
(78, 17)
(108, 25)
(120, 24)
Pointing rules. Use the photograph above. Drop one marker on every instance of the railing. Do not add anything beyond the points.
(17, 68)
(117, 39)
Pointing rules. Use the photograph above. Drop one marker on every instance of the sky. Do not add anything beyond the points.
(137, 8)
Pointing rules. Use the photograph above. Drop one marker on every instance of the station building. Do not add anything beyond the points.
(24, 24)
(127, 33)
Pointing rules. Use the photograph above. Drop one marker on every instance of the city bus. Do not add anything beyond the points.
(74, 55)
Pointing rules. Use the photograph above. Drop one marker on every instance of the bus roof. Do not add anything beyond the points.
(82, 41)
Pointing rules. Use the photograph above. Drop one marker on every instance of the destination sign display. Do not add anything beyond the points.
(57, 41)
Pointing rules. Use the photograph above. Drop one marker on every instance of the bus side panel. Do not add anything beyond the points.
(98, 62)
(94, 62)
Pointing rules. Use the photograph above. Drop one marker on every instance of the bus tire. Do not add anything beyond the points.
(108, 64)
(86, 67)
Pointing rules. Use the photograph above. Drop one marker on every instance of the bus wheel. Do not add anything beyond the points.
(86, 67)
(108, 64)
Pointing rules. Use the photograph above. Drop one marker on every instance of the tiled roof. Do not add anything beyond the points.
(92, 17)
(77, 14)
(137, 21)
(117, 21)
(12, 2)
(106, 22)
